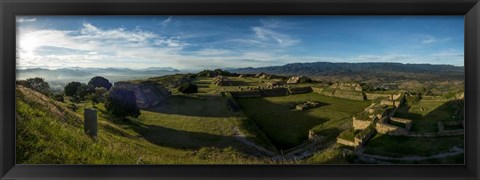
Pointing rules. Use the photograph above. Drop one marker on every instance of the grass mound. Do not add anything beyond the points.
(48, 132)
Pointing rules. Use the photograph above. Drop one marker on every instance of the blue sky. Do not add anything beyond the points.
(206, 42)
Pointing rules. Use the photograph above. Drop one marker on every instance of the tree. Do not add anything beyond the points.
(188, 88)
(83, 90)
(59, 97)
(100, 92)
(36, 84)
(98, 95)
(99, 81)
(71, 88)
(122, 103)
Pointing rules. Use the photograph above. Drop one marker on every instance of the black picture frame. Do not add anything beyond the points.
(10, 8)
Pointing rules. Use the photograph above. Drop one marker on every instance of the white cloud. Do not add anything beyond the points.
(22, 20)
(269, 37)
(432, 39)
(166, 21)
(90, 44)
(449, 53)
(213, 52)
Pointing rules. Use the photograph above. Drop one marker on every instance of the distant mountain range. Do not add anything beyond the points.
(364, 71)
(64, 75)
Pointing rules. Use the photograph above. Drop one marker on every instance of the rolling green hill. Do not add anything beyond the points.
(48, 132)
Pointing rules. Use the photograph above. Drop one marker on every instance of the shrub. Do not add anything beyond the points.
(122, 103)
(36, 84)
(99, 81)
(71, 88)
(59, 98)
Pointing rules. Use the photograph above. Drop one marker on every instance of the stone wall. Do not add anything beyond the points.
(371, 96)
(389, 129)
(360, 124)
(293, 80)
(426, 134)
(360, 141)
(396, 96)
(407, 122)
(456, 132)
(317, 89)
(396, 103)
(300, 90)
(346, 142)
(274, 92)
(353, 95)
(246, 94)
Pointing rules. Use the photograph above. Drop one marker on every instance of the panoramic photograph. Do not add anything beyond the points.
(240, 90)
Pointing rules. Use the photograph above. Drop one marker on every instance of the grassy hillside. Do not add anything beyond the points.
(50, 133)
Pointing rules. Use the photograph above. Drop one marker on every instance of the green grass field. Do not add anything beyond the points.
(425, 114)
(398, 146)
(200, 128)
(43, 137)
(287, 127)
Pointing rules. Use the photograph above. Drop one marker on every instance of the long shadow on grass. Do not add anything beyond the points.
(168, 137)
(442, 113)
(194, 105)
(285, 127)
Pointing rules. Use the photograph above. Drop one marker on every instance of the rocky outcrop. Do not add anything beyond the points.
(147, 94)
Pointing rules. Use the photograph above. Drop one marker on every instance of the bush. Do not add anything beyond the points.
(71, 88)
(36, 84)
(59, 98)
(122, 103)
(99, 81)
(83, 90)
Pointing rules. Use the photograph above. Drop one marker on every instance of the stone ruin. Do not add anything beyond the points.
(294, 80)
(245, 94)
(256, 92)
(274, 83)
(147, 94)
(348, 86)
(352, 91)
(274, 92)
(459, 130)
(300, 90)
(307, 105)
(259, 74)
(394, 100)
(222, 81)
(90, 122)
(386, 126)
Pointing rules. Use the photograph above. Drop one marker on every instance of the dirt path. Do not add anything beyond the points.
(452, 152)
